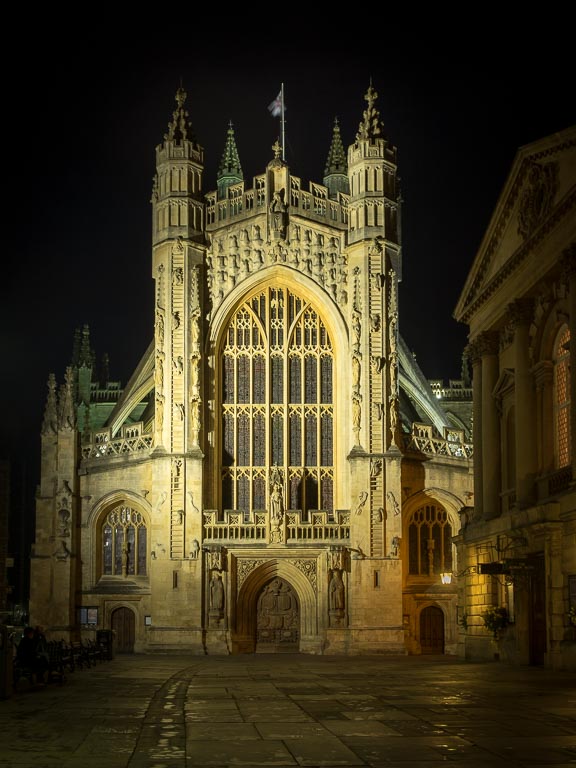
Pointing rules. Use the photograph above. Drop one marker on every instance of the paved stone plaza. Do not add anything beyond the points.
(292, 710)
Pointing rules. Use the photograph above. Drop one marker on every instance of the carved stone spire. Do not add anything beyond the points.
(336, 171)
(50, 423)
(180, 127)
(85, 356)
(230, 171)
(371, 126)
(336, 162)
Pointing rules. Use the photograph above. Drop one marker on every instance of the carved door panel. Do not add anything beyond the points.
(432, 630)
(277, 618)
(123, 627)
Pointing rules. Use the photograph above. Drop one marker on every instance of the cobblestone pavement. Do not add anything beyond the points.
(166, 711)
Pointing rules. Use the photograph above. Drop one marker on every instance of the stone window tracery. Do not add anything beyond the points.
(429, 541)
(124, 543)
(277, 403)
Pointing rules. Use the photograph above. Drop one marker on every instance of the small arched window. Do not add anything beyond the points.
(430, 541)
(124, 543)
(562, 437)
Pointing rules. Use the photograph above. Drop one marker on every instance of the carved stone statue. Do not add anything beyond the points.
(336, 592)
(216, 593)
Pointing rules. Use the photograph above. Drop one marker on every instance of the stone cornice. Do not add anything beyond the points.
(514, 262)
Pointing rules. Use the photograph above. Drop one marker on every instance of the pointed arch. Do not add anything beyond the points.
(246, 603)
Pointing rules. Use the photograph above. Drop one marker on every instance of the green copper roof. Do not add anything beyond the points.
(230, 167)
(336, 162)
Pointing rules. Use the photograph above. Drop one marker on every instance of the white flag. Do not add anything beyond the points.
(275, 106)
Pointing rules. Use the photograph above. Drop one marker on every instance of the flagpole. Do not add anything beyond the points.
(283, 124)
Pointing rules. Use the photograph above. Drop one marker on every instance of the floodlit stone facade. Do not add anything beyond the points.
(518, 547)
(277, 474)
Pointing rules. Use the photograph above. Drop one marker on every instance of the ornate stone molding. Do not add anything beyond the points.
(308, 568)
(244, 568)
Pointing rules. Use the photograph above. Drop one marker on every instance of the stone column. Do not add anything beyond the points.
(491, 460)
(569, 273)
(521, 312)
(474, 356)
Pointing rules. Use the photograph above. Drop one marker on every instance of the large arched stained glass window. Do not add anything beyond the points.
(429, 541)
(277, 404)
(124, 543)
(562, 397)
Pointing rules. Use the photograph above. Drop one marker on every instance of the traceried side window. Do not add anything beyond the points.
(124, 543)
(562, 398)
(277, 404)
(429, 541)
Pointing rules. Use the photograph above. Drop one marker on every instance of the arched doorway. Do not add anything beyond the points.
(123, 624)
(277, 618)
(432, 630)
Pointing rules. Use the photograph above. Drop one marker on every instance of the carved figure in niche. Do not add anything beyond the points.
(178, 364)
(216, 592)
(336, 592)
(277, 210)
(178, 276)
(159, 412)
(160, 327)
(195, 549)
(175, 321)
(375, 467)
(159, 371)
(194, 388)
(64, 515)
(276, 504)
(393, 416)
(356, 417)
(395, 546)
(180, 410)
(378, 410)
(375, 323)
(362, 499)
(195, 420)
(195, 329)
(356, 373)
(180, 516)
(357, 328)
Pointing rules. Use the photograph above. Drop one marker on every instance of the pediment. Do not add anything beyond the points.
(541, 181)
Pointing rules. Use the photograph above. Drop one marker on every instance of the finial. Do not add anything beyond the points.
(180, 96)
(371, 125)
(277, 149)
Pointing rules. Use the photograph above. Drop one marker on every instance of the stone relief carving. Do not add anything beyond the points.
(375, 323)
(215, 559)
(276, 506)
(375, 467)
(393, 504)
(308, 568)
(179, 410)
(244, 568)
(227, 264)
(362, 499)
(537, 199)
(195, 551)
(378, 410)
(177, 276)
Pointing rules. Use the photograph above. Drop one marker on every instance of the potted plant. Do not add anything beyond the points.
(496, 619)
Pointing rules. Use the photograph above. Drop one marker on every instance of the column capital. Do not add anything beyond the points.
(521, 311)
(486, 343)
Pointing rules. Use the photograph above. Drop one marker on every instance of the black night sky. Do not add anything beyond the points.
(80, 149)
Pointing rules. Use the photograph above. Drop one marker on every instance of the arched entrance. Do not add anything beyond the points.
(432, 630)
(277, 618)
(122, 621)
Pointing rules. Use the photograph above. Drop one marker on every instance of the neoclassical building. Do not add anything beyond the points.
(278, 474)
(518, 548)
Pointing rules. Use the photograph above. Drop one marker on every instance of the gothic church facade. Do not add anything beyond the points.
(277, 474)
